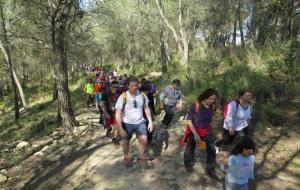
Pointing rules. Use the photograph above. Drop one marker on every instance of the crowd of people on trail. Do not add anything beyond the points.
(126, 106)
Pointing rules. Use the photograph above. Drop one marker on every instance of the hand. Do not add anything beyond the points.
(150, 127)
(231, 131)
(122, 132)
(197, 138)
(161, 106)
(97, 109)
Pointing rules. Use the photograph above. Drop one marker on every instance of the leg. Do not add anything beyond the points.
(125, 143)
(189, 152)
(169, 114)
(142, 146)
(211, 153)
(125, 146)
(226, 138)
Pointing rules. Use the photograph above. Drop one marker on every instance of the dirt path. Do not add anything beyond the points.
(98, 165)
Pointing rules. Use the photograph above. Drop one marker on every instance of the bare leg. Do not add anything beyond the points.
(125, 145)
(142, 146)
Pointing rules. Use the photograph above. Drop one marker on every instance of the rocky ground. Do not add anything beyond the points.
(88, 160)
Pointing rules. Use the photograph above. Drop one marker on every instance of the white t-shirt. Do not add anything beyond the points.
(237, 117)
(130, 114)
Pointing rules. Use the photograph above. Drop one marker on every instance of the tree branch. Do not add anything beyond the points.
(170, 26)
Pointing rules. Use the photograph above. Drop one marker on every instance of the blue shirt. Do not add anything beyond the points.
(99, 98)
(240, 169)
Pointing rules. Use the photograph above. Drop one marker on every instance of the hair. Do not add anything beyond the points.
(131, 79)
(243, 92)
(207, 93)
(177, 82)
(245, 143)
(90, 80)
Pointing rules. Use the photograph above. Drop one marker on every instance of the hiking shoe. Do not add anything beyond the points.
(212, 174)
(164, 126)
(128, 161)
(189, 169)
(115, 141)
(218, 149)
(108, 132)
(142, 163)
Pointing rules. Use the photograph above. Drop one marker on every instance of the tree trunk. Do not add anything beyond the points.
(182, 41)
(21, 92)
(163, 55)
(240, 24)
(64, 96)
(5, 48)
(234, 32)
(185, 60)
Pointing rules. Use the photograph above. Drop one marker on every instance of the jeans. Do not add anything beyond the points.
(210, 149)
(228, 139)
(170, 111)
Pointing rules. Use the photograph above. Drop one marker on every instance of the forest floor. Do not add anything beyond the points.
(89, 160)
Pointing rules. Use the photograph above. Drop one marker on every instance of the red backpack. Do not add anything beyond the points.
(225, 111)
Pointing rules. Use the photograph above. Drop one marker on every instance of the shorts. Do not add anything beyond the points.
(139, 129)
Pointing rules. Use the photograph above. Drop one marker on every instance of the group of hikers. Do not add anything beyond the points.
(127, 105)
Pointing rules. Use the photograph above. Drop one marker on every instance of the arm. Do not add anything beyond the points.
(162, 98)
(148, 115)
(103, 105)
(180, 101)
(229, 118)
(196, 136)
(119, 123)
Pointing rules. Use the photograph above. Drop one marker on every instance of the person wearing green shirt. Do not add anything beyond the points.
(88, 92)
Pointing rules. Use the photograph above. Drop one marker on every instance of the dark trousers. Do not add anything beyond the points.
(170, 111)
(189, 156)
(89, 99)
(228, 139)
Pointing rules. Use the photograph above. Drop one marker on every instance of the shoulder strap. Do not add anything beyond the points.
(197, 106)
(144, 98)
(124, 95)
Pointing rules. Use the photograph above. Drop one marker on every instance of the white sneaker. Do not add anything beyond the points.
(218, 149)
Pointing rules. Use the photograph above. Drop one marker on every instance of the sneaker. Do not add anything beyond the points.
(115, 141)
(128, 161)
(108, 132)
(218, 149)
(142, 163)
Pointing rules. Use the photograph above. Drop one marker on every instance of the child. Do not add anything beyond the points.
(241, 165)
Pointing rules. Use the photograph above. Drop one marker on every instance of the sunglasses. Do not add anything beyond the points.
(135, 104)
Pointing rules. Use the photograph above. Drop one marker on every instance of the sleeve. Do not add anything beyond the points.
(231, 164)
(191, 112)
(252, 167)
(119, 104)
(250, 111)
(163, 95)
(232, 109)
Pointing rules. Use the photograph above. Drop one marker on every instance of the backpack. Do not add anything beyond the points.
(124, 95)
(225, 111)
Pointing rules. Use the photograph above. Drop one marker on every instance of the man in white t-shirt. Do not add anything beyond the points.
(129, 118)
